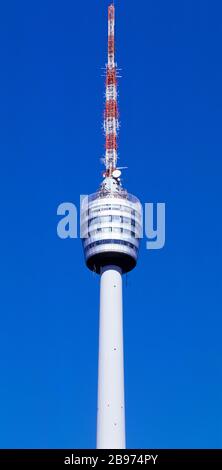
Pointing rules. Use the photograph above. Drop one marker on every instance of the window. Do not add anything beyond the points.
(115, 242)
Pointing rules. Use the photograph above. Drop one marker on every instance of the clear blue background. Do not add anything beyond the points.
(51, 97)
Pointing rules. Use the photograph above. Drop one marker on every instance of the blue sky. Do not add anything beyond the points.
(51, 94)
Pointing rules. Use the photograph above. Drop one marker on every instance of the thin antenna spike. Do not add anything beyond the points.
(111, 108)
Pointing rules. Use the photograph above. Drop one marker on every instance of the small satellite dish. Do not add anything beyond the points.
(116, 173)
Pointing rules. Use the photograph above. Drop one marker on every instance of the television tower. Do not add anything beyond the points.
(111, 221)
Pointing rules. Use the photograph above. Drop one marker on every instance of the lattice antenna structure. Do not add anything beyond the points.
(111, 114)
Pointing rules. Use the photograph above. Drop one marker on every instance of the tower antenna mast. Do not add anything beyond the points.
(111, 123)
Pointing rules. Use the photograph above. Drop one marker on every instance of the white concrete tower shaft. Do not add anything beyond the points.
(111, 406)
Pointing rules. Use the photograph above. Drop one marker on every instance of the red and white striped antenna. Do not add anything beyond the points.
(111, 123)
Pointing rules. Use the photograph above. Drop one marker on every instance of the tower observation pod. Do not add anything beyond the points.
(111, 227)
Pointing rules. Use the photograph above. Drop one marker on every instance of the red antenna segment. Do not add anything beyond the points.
(111, 124)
